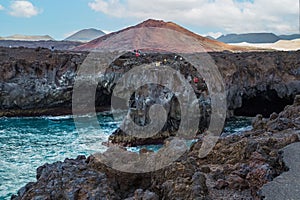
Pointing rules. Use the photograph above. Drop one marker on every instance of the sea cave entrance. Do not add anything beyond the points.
(264, 103)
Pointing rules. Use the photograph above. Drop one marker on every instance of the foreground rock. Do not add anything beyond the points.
(71, 179)
(236, 168)
(287, 185)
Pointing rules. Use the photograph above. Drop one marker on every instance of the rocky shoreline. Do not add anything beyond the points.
(36, 82)
(236, 168)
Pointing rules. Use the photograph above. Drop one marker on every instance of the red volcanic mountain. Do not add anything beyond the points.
(156, 35)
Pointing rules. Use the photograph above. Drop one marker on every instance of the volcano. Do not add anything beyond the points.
(85, 35)
(156, 35)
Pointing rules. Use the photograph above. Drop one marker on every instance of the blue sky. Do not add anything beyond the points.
(58, 18)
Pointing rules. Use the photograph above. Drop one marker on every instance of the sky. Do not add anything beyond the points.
(60, 18)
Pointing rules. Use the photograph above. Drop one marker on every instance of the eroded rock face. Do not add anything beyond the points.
(236, 168)
(41, 79)
(40, 82)
(256, 82)
(151, 94)
(35, 82)
(259, 82)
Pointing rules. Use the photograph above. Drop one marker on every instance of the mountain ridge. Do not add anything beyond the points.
(249, 37)
(85, 35)
(255, 37)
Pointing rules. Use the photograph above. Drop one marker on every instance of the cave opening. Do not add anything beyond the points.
(264, 103)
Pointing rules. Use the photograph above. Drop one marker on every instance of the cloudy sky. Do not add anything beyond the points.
(60, 18)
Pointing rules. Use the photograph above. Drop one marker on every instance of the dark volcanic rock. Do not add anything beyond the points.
(31, 82)
(150, 94)
(71, 179)
(139, 194)
(236, 168)
(40, 82)
(257, 82)
(289, 119)
(260, 82)
(35, 82)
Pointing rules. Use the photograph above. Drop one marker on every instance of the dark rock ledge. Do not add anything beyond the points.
(36, 82)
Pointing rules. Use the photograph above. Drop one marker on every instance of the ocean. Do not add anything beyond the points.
(29, 142)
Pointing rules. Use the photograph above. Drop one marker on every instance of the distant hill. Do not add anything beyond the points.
(28, 37)
(290, 37)
(85, 35)
(249, 38)
(58, 45)
(161, 34)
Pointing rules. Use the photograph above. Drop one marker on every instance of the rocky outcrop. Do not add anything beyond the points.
(40, 82)
(150, 94)
(67, 180)
(36, 82)
(236, 168)
(261, 82)
(32, 81)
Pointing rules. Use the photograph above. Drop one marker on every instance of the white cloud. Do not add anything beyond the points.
(213, 34)
(228, 15)
(1, 7)
(22, 8)
(107, 31)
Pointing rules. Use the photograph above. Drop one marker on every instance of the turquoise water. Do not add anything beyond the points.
(27, 143)
(237, 125)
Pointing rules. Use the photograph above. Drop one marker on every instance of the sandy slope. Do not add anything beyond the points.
(282, 45)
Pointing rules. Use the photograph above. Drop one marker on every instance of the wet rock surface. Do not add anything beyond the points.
(236, 168)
